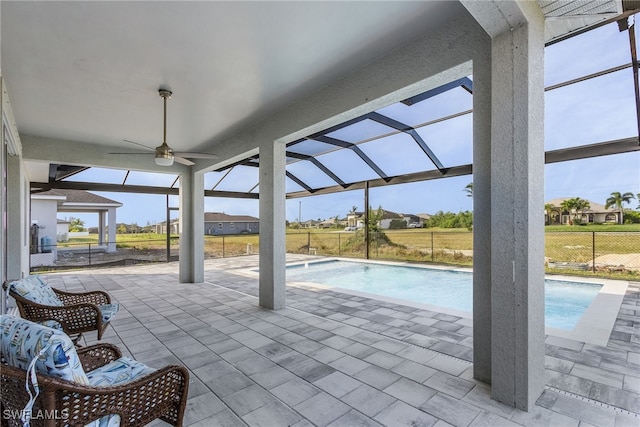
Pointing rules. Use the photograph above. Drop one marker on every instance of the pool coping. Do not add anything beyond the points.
(594, 327)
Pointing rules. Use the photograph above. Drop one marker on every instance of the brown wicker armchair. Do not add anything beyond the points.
(78, 312)
(161, 394)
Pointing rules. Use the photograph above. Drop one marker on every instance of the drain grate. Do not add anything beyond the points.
(591, 401)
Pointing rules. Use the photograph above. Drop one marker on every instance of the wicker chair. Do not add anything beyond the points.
(76, 312)
(161, 394)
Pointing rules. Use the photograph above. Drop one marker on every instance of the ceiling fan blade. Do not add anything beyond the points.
(146, 154)
(137, 143)
(182, 160)
(195, 155)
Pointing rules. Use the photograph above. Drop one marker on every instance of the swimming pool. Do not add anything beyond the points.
(565, 301)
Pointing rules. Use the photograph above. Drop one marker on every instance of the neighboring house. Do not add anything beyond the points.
(174, 226)
(218, 223)
(424, 217)
(62, 230)
(596, 214)
(356, 219)
(45, 227)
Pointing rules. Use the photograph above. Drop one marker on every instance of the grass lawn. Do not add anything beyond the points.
(448, 246)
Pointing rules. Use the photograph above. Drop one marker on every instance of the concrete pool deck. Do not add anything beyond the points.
(332, 358)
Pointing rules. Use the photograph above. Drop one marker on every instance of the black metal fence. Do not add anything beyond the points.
(594, 252)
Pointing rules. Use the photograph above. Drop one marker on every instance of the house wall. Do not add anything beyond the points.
(44, 213)
(14, 199)
(385, 223)
(225, 228)
(62, 232)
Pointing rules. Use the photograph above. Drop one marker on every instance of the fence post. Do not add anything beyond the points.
(432, 253)
(89, 253)
(339, 248)
(308, 243)
(593, 249)
(223, 246)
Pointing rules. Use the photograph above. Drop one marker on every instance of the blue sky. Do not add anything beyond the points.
(596, 110)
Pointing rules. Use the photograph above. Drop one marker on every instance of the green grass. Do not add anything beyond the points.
(593, 227)
(447, 246)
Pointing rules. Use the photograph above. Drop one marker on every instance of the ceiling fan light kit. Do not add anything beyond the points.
(164, 155)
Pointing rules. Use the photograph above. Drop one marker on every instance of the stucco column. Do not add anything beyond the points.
(191, 227)
(17, 222)
(482, 215)
(113, 226)
(517, 214)
(101, 227)
(272, 225)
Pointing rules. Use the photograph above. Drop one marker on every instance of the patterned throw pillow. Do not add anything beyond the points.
(21, 341)
(36, 290)
(108, 311)
(118, 372)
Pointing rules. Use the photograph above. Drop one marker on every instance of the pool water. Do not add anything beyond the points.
(565, 302)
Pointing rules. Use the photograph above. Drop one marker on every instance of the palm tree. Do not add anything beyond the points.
(638, 200)
(617, 199)
(573, 206)
(548, 208)
(469, 189)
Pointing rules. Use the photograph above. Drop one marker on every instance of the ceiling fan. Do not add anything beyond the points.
(164, 155)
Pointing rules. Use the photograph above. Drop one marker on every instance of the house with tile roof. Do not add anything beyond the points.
(595, 214)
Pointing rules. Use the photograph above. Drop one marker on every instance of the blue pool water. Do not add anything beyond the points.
(564, 301)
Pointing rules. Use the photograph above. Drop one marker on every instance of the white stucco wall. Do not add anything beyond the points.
(44, 212)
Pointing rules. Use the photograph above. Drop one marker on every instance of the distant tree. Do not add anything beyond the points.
(76, 224)
(375, 216)
(353, 209)
(469, 189)
(618, 199)
(632, 217)
(122, 229)
(548, 208)
(638, 200)
(451, 220)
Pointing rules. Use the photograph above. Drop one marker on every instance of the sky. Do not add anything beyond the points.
(596, 110)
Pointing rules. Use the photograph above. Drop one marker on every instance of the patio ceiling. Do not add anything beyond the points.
(100, 89)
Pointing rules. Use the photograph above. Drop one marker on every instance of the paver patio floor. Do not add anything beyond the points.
(333, 359)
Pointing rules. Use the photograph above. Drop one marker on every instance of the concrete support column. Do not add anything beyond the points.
(191, 227)
(272, 225)
(517, 209)
(482, 216)
(17, 221)
(111, 245)
(101, 227)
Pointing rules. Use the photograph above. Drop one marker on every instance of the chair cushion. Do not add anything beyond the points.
(118, 372)
(22, 340)
(108, 311)
(36, 290)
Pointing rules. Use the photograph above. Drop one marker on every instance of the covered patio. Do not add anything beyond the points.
(255, 79)
(335, 359)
